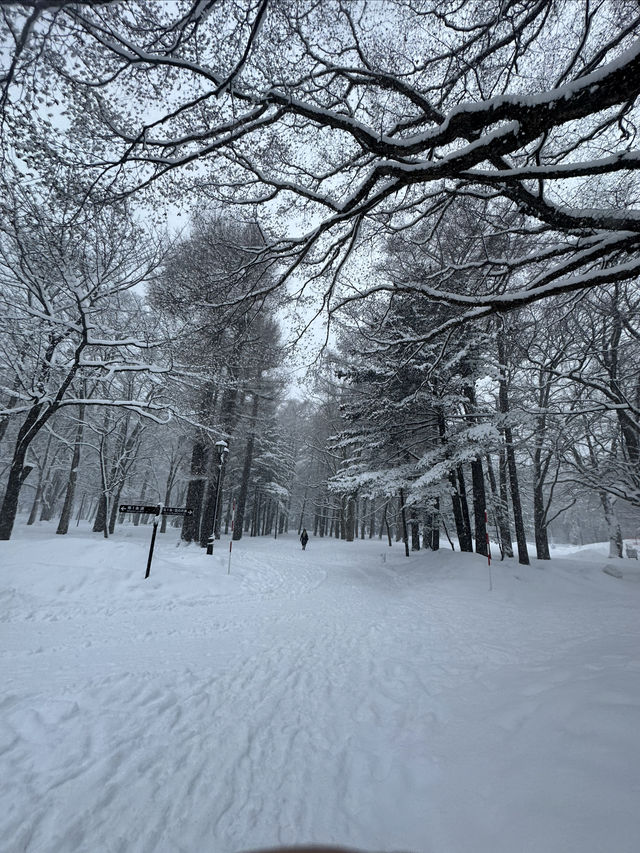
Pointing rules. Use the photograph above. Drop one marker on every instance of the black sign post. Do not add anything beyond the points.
(156, 519)
(158, 510)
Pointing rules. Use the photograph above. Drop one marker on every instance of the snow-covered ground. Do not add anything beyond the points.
(345, 694)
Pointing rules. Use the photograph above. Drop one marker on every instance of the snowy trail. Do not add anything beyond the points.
(330, 697)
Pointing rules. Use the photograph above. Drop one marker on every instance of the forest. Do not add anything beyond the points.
(369, 269)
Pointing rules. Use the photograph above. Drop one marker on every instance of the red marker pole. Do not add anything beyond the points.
(233, 518)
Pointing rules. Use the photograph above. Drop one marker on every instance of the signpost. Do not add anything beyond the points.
(158, 510)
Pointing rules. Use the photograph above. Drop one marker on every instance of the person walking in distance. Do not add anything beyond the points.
(304, 538)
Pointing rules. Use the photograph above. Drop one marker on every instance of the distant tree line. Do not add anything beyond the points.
(450, 186)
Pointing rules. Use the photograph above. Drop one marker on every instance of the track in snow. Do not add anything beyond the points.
(328, 696)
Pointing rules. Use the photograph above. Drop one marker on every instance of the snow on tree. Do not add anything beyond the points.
(494, 143)
(63, 284)
(365, 117)
(224, 343)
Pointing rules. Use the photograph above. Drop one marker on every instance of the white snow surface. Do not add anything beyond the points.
(345, 694)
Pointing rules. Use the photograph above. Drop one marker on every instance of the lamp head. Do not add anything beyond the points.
(222, 449)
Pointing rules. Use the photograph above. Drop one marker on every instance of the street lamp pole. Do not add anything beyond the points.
(222, 450)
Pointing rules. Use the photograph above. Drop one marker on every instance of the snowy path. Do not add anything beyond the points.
(319, 697)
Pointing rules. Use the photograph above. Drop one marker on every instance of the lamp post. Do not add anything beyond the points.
(222, 451)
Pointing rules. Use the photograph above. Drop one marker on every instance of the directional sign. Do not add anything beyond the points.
(153, 510)
(150, 510)
(156, 510)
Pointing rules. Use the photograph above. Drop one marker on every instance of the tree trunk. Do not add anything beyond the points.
(477, 479)
(50, 495)
(228, 515)
(479, 506)
(255, 509)
(262, 515)
(100, 516)
(45, 490)
(36, 418)
(324, 510)
(67, 507)
(4, 419)
(446, 533)
(503, 401)
(456, 506)
(105, 521)
(521, 539)
(431, 536)
(504, 501)
(37, 499)
(385, 522)
(18, 473)
(403, 516)
(80, 514)
(613, 526)
(499, 509)
(315, 517)
(137, 517)
(13, 399)
(167, 495)
(414, 526)
(539, 521)
(195, 492)
(113, 515)
(464, 533)
(246, 472)
(350, 521)
(100, 521)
